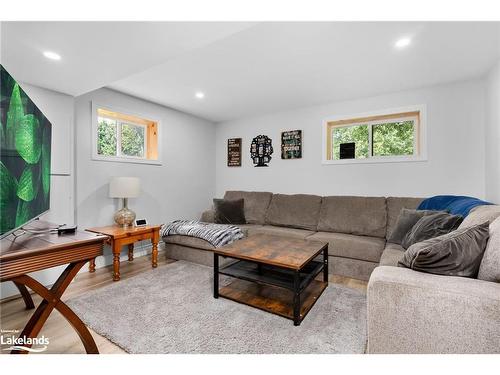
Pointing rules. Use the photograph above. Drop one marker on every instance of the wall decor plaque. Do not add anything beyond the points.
(234, 152)
(291, 144)
(261, 149)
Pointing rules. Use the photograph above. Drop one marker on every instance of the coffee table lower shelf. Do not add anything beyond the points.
(271, 298)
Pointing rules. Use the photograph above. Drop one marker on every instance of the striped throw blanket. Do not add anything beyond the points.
(217, 234)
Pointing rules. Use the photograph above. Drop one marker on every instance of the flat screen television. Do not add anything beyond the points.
(24, 157)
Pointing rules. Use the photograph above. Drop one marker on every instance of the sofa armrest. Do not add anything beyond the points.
(415, 312)
(208, 216)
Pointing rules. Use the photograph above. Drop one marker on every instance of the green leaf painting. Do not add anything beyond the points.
(8, 198)
(28, 139)
(27, 188)
(14, 115)
(46, 162)
(23, 212)
(25, 148)
(2, 136)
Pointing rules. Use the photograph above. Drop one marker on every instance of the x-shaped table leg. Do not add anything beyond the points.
(26, 296)
(51, 301)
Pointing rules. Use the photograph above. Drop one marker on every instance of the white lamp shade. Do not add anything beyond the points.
(124, 187)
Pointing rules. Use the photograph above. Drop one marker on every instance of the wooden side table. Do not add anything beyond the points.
(29, 253)
(120, 236)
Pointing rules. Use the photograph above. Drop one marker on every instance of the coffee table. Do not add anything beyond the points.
(273, 273)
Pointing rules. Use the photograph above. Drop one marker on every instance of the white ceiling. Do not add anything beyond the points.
(95, 54)
(247, 69)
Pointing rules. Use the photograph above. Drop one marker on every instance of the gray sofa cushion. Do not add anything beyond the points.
(351, 246)
(489, 269)
(394, 206)
(188, 241)
(296, 211)
(280, 231)
(256, 203)
(392, 254)
(365, 216)
(406, 220)
(458, 253)
(431, 226)
(480, 214)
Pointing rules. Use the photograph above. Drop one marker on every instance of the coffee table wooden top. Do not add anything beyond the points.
(292, 253)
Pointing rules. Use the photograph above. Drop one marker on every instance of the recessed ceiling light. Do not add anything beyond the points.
(199, 95)
(402, 43)
(52, 55)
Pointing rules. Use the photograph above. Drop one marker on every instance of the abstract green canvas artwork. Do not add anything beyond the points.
(24, 157)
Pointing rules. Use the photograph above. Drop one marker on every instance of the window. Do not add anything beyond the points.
(124, 137)
(374, 138)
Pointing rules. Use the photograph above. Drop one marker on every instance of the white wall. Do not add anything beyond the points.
(59, 109)
(180, 188)
(493, 135)
(455, 140)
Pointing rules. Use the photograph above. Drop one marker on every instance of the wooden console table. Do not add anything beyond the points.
(34, 252)
(120, 236)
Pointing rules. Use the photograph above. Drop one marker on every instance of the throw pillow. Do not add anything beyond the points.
(489, 269)
(431, 226)
(458, 253)
(229, 211)
(406, 220)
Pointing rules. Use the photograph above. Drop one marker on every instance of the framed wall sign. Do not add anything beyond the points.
(291, 144)
(261, 150)
(234, 152)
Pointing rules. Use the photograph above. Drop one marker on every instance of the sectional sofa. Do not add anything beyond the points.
(356, 228)
(407, 311)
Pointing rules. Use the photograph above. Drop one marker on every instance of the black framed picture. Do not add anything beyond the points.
(291, 144)
(234, 152)
(261, 150)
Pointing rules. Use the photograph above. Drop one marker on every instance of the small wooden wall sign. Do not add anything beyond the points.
(291, 144)
(234, 152)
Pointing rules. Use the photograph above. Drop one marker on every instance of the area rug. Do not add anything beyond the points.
(171, 309)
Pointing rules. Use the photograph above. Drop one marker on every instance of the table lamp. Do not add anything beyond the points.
(124, 187)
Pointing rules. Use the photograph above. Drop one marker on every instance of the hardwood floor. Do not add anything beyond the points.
(63, 339)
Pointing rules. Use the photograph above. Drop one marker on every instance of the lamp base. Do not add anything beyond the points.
(124, 217)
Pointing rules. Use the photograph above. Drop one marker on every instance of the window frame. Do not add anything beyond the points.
(120, 157)
(419, 138)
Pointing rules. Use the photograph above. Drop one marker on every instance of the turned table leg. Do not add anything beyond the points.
(116, 261)
(154, 253)
(131, 252)
(92, 265)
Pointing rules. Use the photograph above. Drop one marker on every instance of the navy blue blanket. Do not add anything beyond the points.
(454, 204)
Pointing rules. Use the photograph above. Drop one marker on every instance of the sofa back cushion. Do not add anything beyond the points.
(394, 207)
(480, 214)
(365, 216)
(295, 211)
(255, 204)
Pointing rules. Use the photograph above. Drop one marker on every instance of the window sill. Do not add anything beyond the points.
(380, 160)
(126, 160)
